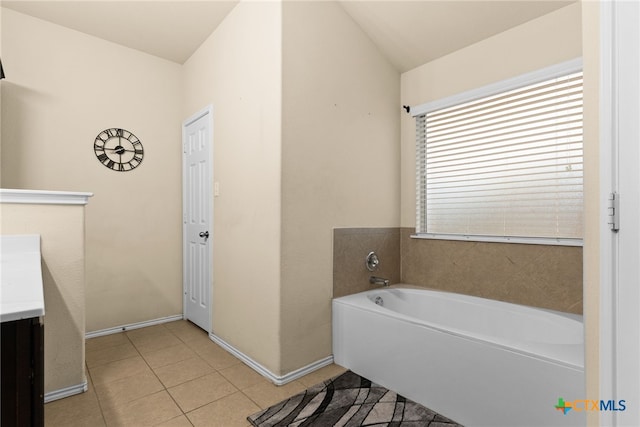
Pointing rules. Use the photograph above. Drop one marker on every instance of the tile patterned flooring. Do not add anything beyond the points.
(170, 375)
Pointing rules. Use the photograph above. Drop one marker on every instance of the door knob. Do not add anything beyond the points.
(204, 234)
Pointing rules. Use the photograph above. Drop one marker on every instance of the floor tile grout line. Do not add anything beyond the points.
(110, 361)
(208, 403)
(253, 401)
(164, 387)
(141, 397)
(193, 346)
(183, 340)
(238, 390)
(98, 397)
(167, 388)
(158, 378)
(104, 420)
(186, 339)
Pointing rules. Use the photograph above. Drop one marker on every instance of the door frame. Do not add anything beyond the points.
(207, 111)
(615, 313)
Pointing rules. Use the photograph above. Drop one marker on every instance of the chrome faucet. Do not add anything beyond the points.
(375, 280)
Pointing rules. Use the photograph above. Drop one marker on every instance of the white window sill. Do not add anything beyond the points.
(501, 239)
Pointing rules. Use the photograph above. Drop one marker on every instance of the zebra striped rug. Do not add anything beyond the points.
(348, 400)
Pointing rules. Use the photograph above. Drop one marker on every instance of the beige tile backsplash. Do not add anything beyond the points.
(350, 249)
(535, 275)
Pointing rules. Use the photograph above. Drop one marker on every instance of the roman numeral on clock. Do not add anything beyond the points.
(118, 143)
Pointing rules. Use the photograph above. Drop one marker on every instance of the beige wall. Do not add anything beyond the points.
(1, 118)
(591, 66)
(271, 301)
(306, 129)
(340, 161)
(238, 70)
(545, 41)
(61, 229)
(542, 276)
(133, 227)
(64, 88)
(568, 33)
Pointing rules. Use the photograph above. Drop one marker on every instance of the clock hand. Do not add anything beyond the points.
(119, 149)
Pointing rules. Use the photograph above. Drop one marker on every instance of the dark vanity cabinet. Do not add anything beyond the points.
(22, 373)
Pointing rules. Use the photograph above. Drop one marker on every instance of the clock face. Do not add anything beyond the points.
(118, 149)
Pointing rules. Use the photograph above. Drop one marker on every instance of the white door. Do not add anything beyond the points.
(197, 218)
(620, 296)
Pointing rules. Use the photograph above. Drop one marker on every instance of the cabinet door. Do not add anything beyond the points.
(22, 373)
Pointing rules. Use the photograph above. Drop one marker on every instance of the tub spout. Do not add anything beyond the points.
(375, 280)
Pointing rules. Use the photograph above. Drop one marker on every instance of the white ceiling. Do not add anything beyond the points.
(409, 33)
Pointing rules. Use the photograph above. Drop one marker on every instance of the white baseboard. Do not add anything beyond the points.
(301, 372)
(131, 326)
(276, 379)
(65, 392)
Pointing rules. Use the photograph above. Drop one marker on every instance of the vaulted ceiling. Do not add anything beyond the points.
(412, 33)
(409, 33)
(169, 29)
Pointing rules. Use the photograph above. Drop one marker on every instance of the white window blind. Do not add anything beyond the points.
(509, 164)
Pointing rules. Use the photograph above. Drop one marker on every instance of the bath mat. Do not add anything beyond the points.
(348, 400)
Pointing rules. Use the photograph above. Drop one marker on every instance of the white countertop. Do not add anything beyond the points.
(21, 294)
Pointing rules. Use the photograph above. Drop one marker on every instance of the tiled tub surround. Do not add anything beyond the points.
(350, 249)
(534, 275)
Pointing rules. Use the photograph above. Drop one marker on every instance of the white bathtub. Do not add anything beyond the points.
(479, 362)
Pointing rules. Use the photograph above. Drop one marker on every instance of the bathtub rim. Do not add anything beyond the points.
(574, 316)
(575, 362)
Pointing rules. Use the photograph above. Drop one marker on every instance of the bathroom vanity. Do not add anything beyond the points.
(22, 334)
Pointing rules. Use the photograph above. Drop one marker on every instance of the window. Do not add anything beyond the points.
(504, 162)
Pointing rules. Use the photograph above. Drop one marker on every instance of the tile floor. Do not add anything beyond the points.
(169, 375)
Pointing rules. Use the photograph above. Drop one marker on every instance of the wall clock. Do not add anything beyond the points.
(118, 149)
